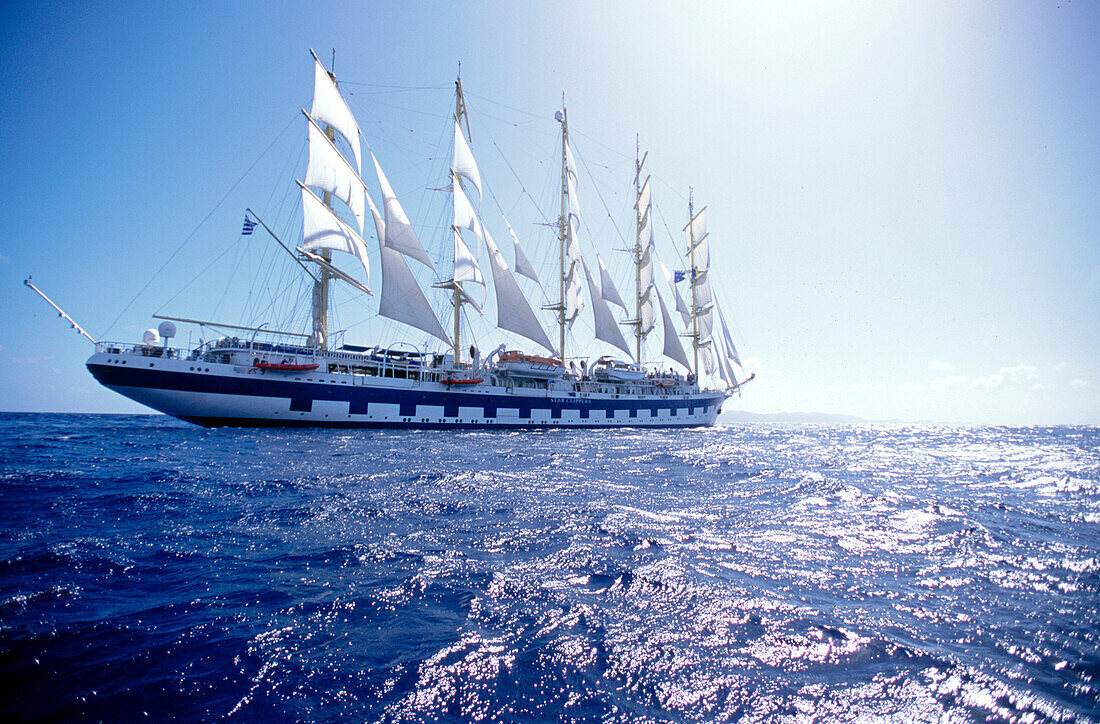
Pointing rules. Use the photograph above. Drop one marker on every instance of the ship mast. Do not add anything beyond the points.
(694, 307)
(321, 283)
(563, 226)
(638, 220)
(456, 298)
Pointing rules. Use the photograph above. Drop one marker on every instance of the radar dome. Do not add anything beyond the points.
(167, 330)
(150, 337)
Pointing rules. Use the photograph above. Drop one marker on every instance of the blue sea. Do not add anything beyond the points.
(155, 571)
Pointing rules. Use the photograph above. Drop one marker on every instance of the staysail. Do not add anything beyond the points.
(399, 232)
(514, 313)
(672, 347)
(401, 298)
(607, 328)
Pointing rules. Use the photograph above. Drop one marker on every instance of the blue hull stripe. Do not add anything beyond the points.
(302, 396)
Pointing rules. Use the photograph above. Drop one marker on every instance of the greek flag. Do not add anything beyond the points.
(249, 225)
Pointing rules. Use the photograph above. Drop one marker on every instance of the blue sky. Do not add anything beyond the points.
(902, 196)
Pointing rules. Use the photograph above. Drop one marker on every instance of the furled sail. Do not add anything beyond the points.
(401, 298)
(607, 285)
(673, 349)
(607, 328)
(399, 232)
(330, 171)
(323, 229)
(464, 164)
(514, 313)
(329, 107)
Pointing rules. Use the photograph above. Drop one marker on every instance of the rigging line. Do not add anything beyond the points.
(196, 229)
(511, 108)
(407, 110)
(206, 268)
(520, 182)
(596, 187)
(598, 143)
(395, 87)
(671, 238)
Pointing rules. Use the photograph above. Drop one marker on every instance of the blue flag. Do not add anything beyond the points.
(249, 225)
(679, 276)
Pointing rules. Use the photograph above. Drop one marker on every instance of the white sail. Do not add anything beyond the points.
(673, 349)
(645, 232)
(697, 227)
(465, 217)
(329, 107)
(727, 340)
(703, 294)
(464, 163)
(330, 171)
(574, 294)
(702, 253)
(645, 269)
(705, 320)
(706, 356)
(322, 229)
(399, 232)
(523, 266)
(467, 268)
(681, 306)
(607, 285)
(570, 165)
(401, 298)
(725, 369)
(648, 318)
(514, 313)
(574, 202)
(607, 328)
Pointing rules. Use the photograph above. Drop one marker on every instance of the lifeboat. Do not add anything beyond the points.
(607, 369)
(529, 366)
(464, 381)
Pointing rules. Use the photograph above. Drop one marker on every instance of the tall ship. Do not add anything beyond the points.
(251, 375)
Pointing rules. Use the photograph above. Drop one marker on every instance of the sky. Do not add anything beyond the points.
(902, 197)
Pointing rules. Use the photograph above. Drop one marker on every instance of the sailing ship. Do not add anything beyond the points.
(267, 378)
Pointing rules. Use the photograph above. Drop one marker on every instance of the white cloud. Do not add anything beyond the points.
(939, 366)
(948, 382)
(1078, 383)
(1016, 375)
